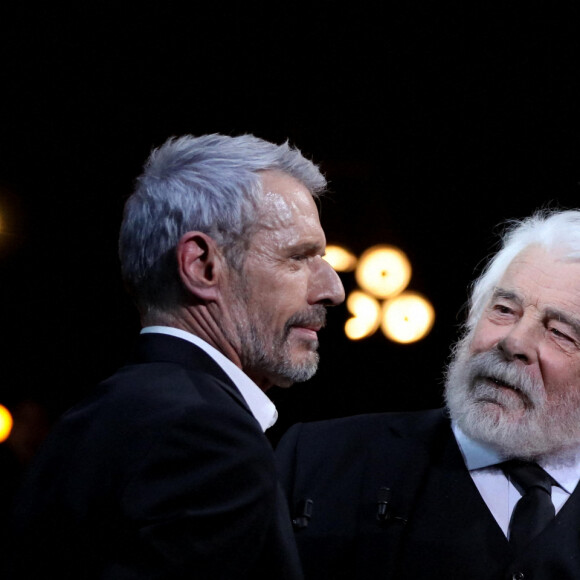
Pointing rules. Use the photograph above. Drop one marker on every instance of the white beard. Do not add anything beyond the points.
(517, 422)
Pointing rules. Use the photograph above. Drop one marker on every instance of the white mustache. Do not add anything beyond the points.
(492, 366)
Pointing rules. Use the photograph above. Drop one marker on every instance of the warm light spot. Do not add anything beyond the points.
(366, 315)
(407, 318)
(384, 271)
(340, 258)
(5, 423)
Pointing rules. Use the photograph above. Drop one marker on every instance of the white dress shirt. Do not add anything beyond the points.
(260, 405)
(495, 488)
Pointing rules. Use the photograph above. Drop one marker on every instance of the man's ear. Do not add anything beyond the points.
(200, 264)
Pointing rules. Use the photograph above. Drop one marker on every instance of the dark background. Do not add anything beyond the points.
(434, 122)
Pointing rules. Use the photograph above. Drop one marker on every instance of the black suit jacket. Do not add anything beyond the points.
(162, 473)
(390, 497)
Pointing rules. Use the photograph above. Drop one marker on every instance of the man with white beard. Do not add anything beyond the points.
(440, 493)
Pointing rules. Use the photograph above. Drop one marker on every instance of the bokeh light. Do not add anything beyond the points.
(383, 271)
(6, 423)
(407, 318)
(366, 315)
(340, 258)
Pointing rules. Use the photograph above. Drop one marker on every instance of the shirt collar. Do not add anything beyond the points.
(477, 456)
(260, 405)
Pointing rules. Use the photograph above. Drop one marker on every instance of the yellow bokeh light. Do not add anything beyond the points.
(407, 318)
(366, 315)
(384, 271)
(5, 423)
(340, 258)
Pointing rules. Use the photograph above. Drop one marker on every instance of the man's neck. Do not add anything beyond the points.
(201, 321)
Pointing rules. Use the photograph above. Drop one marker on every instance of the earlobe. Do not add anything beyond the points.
(198, 261)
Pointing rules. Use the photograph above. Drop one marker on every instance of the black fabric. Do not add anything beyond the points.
(163, 473)
(432, 523)
(535, 510)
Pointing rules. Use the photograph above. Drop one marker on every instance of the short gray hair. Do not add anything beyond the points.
(209, 184)
(553, 230)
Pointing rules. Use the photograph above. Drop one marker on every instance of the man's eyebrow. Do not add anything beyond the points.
(307, 248)
(572, 321)
(506, 295)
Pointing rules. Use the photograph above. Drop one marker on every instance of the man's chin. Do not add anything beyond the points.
(493, 411)
(304, 369)
(298, 370)
(493, 424)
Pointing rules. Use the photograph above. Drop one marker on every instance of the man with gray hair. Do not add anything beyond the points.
(486, 488)
(165, 471)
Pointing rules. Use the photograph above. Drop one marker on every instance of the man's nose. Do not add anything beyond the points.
(325, 287)
(520, 343)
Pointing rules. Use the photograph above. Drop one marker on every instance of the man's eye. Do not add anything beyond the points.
(502, 309)
(560, 334)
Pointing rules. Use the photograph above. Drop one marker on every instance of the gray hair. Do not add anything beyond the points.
(553, 230)
(210, 184)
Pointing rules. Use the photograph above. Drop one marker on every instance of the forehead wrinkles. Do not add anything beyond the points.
(276, 212)
(537, 276)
